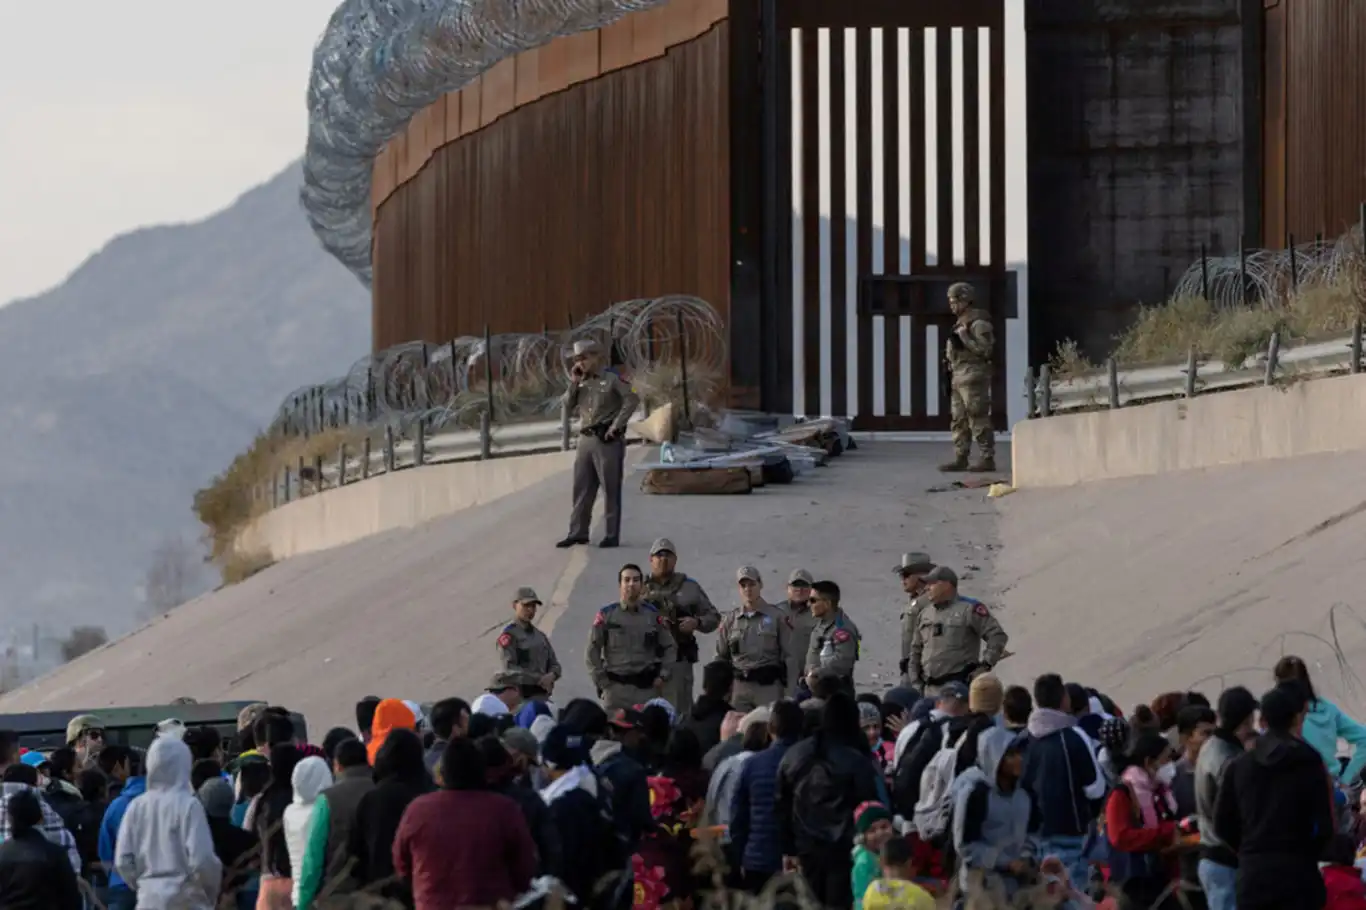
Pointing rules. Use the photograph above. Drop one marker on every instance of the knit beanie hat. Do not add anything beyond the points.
(986, 694)
(1235, 706)
(868, 813)
(1114, 734)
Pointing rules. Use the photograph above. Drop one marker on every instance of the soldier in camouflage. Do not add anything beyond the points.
(834, 647)
(605, 404)
(970, 347)
(912, 570)
(797, 607)
(956, 639)
(525, 650)
(755, 639)
(631, 651)
(686, 610)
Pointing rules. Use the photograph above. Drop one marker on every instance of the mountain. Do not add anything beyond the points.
(130, 385)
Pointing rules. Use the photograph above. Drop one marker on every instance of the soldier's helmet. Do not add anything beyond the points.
(961, 292)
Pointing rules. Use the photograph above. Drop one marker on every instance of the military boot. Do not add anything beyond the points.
(959, 463)
(984, 465)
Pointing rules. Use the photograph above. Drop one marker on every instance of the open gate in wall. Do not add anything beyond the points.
(883, 155)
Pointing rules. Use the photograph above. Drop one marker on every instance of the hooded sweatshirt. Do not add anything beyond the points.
(311, 777)
(1324, 725)
(165, 849)
(991, 828)
(390, 714)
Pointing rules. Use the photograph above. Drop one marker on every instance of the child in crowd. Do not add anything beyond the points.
(873, 822)
(896, 889)
(1341, 877)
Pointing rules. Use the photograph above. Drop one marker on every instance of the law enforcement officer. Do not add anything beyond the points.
(630, 651)
(835, 640)
(525, 650)
(687, 610)
(911, 569)
(798, 610)
(605, 404)
(948, 644)
(970, 348)
(755, 639)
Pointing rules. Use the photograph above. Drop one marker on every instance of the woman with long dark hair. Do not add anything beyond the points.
(268, 823)
(1324, 723)
(400, 777)
(1141, 826)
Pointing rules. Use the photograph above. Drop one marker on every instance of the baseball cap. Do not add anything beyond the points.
(563, 750)
(82, 723)
(748, 573)
(954, 689)
(248, 716)
(942, 573)
(663, 545)
(869, 715)
(626, 719)
(33, 759)
(915, 563)
(522, 741)
(526, 596)
(800, 577)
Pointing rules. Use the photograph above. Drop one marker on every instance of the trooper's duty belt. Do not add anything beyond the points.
(763, 676)
(961, 676)
(598, 430)
(645, 679)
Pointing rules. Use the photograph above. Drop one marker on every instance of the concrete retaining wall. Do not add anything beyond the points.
(403, 499)
(1306, 418)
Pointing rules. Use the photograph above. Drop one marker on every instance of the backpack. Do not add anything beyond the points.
(935, 806)
(904, 786)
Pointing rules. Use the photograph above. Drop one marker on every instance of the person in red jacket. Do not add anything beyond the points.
(1140, 823)
(464, 846)
(1341, 877)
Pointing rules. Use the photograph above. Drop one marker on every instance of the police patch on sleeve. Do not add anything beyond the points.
(660, 620)
(981, 610)
(599, 620)
(504, 640)
(840, 636)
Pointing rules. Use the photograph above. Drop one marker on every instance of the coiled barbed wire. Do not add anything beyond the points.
(380, 62)
(652, 340)
(1271, 277)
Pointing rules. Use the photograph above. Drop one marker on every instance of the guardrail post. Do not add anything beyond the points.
(341, 465)
(564, 425)
(318, 472)
(1031, 393)
(420, 444)
(1273, 350)
(1112, 369)
(1045, 391)
(365, 460)
(1356, 345)
(389, 449)
(485, 436)
(274, 489)
(1242, 274)
(1191, 367)
(286, 484)
(301, 477)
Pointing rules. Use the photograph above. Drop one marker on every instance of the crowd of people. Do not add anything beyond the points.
(978, 795)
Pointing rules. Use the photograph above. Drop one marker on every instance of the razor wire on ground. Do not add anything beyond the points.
(669, 347)
(380, 62)
(1269, 278)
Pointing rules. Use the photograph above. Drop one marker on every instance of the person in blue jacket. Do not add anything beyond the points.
(121, 897)
(1325, 724)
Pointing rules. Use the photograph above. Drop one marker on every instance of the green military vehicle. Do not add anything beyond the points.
(44, 731)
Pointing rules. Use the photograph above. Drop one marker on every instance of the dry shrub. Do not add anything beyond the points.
(1068, 361)
(239, 565)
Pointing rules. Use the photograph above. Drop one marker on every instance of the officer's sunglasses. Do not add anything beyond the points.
(95, 734)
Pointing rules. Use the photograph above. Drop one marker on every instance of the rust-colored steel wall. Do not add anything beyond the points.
(1315, 117)
(611, 189)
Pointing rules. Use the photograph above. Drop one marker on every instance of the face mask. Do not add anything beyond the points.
(1166, 774)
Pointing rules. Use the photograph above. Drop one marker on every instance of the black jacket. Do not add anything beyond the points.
(705, 720)
(343, 801)
(918, 754)
(550, 860)
(237, 851)
(35, 874)
(629, 787)
(820, 783)
(1275, 808)
(375, 827)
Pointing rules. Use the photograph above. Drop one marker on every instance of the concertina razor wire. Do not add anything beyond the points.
(444, 385)
(380, 62)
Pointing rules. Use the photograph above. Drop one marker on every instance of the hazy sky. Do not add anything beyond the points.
(119, 115)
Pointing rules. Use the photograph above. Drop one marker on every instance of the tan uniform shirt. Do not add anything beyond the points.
(603, 400)
(526, 651)
(625, 641)
(949, 639)
(803, 624)
(751, 641)
(679, 597)
(834, 645)
(910, 621)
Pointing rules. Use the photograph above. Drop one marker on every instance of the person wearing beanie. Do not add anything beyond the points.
(872, 827)
(1235, 731)
(233, 846)
(985, 697)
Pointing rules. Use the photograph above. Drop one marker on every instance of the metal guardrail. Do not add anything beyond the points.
(1113, 387)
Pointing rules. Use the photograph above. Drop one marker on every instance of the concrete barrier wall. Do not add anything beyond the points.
(403, 499)
(1305, 418)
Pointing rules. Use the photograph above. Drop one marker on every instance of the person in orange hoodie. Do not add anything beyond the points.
(390, 714)
(1341, 877)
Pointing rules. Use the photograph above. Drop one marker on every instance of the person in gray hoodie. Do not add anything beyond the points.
(994, 822)
(1235, 731)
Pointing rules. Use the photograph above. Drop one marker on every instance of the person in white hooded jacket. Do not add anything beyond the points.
(311, 777)
(164, 849)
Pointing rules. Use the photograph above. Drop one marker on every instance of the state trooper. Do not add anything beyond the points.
(526, 651)
(912, 570)
(969, 351)
(687, 610)
(755, 639)
(956, 638)
(605, 404)
(798, 610)
(631, 651)
(834, 647)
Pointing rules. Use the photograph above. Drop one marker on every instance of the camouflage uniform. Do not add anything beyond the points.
(834, 647)
(757, 645)
(948, 642)
(680, 597)
(969, 351)
(605, 403)
(629, 647)
(525, 651)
